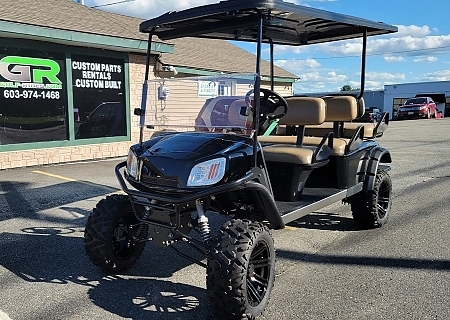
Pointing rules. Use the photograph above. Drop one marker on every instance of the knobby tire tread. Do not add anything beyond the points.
(98, 235)
(226, 271)
(364, 204)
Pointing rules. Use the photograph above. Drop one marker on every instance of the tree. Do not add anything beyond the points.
(347, 87)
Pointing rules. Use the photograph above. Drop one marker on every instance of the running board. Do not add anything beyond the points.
(316, 205)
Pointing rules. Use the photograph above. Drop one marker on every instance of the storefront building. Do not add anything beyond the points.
(67, 87)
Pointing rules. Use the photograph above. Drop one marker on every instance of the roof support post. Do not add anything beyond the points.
(272, 73)
(256, 91)
(143, 109)
(363, 64)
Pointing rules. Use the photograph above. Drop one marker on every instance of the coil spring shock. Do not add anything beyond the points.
(142, 231)
(203, 223)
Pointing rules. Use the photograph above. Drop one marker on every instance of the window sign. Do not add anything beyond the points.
(98, 97)
(226, 88)
(33, 96)
(208, 89)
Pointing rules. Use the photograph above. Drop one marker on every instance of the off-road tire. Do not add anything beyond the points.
(371, 208)
(107, 235)
(241, 259)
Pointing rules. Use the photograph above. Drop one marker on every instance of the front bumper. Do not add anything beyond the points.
(412, 114)
(179, 199)
(259, 191)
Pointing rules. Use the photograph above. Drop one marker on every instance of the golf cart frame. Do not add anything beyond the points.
(279, 184)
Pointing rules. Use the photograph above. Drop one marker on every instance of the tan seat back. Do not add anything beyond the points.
(304, 111)
(341, 108)
(361, 107)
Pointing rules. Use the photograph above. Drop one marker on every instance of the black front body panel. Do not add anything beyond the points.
(168, 160)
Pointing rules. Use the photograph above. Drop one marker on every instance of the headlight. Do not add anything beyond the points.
(132, 164)
(207, 173)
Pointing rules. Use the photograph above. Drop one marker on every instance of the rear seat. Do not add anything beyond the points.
(294, 149)
(349, 128)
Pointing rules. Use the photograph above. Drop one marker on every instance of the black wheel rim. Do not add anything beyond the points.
(384, 195)
(258, 273)
(123, 235)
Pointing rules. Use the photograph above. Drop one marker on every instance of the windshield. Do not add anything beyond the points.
(416, 101)
(204, 104)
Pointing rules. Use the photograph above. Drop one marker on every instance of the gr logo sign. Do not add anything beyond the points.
(25, 69)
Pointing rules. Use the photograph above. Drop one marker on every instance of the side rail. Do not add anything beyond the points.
(356, 140)
(381, 125)
(320, 148)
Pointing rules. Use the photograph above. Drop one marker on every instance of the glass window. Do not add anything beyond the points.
(416, 101)
(98, 97)
(225, 88)
(398, 102)
(33, 96)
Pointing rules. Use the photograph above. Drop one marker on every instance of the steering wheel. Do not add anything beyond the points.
(268, 104)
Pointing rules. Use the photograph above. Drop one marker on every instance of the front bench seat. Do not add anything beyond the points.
(338, 110)
(289, 165)
(301, 111)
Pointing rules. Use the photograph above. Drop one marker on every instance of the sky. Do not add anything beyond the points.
(418, 52)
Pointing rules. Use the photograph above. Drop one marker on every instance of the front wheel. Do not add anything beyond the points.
(241, 269)
(111, 233)
(371, 208)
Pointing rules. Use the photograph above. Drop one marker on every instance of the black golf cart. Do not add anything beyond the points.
(258, 157)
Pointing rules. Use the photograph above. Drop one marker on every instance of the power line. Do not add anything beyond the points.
(112, 3)
(371, 54)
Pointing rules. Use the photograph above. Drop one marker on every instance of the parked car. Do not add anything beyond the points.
(371, 114)
(107, 120)
(420, 107)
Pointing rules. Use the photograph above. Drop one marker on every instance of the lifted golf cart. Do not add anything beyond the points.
(261, 159)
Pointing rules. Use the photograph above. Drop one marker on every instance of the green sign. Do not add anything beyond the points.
(29, 72)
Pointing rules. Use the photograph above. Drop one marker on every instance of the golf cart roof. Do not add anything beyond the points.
(283, 23)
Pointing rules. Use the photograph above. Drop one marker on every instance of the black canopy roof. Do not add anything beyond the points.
(283, 23)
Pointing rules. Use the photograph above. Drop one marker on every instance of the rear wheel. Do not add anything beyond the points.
(110, 236)
(371, 208)
(241, 269)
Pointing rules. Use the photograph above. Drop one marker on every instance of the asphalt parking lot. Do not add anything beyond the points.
(326, 267)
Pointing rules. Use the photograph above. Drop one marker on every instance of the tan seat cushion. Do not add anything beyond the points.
(349, 129)
(319, 130)
(289, 153)
(339, 144)
(278, 139)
